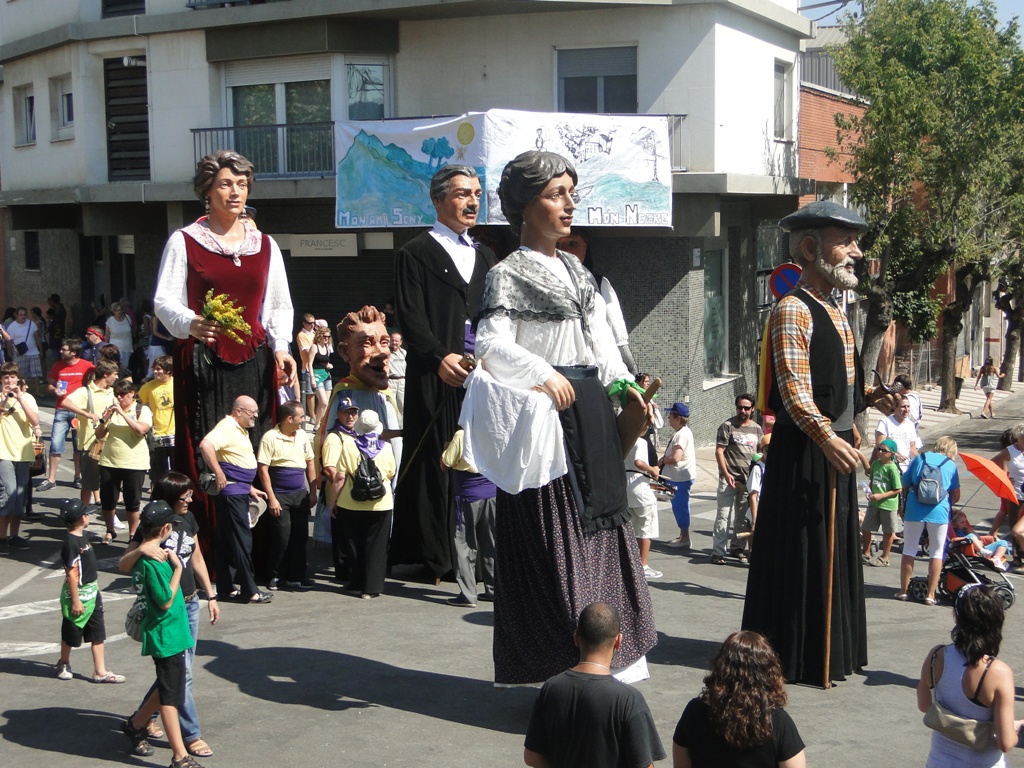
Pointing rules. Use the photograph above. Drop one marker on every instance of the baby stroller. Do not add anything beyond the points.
(963, 565)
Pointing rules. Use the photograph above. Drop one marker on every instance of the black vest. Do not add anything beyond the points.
(827, 355)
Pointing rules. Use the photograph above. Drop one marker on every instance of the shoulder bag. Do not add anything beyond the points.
(979, 735)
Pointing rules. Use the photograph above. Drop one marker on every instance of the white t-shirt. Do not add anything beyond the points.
(687, 468)
(638, 485)
(905, 436)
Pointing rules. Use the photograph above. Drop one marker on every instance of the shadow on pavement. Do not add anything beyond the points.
(337, 682)
(885, 677)
(683, 652)
(29, 668)
(689, 588)
(67, 733)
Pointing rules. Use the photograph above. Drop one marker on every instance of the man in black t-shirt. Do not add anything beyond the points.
(585, 717)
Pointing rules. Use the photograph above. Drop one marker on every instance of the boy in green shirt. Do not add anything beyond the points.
(883, 503)
(165, 634)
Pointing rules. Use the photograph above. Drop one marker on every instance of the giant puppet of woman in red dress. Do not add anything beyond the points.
(225, 253)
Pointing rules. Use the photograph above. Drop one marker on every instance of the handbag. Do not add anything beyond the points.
(38, 466)
(22, 346)
(134, 617)
(208, 483)
(979, 735)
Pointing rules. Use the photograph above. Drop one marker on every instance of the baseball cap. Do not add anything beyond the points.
(157, 513)
(71, 510)
(679, 409)
(346, 404)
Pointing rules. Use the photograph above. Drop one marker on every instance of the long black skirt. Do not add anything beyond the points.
(547, 571)
(787, 584)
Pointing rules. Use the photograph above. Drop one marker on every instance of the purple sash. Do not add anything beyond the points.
(287, 479)
(470, 487)
(239, 479)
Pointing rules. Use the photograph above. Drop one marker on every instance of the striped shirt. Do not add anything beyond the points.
(791, 329)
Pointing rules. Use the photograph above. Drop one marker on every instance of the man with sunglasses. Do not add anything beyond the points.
(304, 340)
(901, 429)
(734, 448)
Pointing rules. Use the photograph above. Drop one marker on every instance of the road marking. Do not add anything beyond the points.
(21, 650)
(45, 606)
(27, 577)
(108, 563)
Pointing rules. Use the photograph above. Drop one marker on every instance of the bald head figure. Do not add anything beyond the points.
(245, 412)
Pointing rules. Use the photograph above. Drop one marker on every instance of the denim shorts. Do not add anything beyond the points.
(59, 432)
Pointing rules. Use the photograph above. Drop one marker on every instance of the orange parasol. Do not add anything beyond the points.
(992, 475)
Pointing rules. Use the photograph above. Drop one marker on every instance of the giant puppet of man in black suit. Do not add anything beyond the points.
(438, 281)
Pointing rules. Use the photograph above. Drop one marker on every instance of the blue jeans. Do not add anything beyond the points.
(681, 503)
(187, 715)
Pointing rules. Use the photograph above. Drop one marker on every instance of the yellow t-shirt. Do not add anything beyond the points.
(124, 448)
(348, 462)
(231, 444)
(277, 450)
(101, 400)
(331, 451)
(452, 456)
(158, 396)
(15, 430)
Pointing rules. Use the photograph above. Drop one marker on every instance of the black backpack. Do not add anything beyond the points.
(367, 483)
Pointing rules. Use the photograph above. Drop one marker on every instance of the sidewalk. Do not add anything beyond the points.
(932, 425)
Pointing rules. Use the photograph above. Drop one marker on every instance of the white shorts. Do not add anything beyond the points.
(645, 521)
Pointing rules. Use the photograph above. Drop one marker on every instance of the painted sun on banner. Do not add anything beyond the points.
(383, 176)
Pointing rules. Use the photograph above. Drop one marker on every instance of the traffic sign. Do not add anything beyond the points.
(783, 279)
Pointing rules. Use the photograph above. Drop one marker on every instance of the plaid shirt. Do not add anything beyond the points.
(791, 329)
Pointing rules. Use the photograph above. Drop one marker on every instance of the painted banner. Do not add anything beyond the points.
(385, 166)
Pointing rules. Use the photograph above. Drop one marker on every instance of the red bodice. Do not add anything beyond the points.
(245, 284)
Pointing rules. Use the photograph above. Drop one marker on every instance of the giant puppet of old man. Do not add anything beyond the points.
(806, 542)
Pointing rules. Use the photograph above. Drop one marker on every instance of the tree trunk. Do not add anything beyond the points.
(876, 323)
(952, 326)
(1014, 319)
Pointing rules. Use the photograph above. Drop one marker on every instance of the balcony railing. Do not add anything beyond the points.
(307, 149)
(197, 4)
(301, 150)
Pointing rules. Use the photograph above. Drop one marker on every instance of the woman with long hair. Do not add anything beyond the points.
(988, 380)
(318, 361)
(176, 489)
(978, 686)
(739, 719)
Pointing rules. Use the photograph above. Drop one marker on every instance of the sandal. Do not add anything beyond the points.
(198, 748)
(109, 538)
(718, 560)
(260, 597)
(901, 596)
(154, 731)
(880, 563)
(930, 601)
(742, 557)
(140, 746)
(185, 762)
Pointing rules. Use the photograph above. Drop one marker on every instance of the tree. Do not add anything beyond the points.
(941, 83)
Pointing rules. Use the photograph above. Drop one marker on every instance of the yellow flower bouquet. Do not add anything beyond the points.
(224, 310)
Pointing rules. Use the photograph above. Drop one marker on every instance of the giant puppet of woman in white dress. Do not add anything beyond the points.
(539, 424)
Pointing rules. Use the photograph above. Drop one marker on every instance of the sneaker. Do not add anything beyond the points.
(679, 544)
(119, 525)
(4, 549)
(273, 584)
(650, 573)
(77, 482)
(880, 563)
(17, 542)
(46, 485)
(64, 671)
(109, 677)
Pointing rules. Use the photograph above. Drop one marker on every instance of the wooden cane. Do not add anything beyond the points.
(831, 565)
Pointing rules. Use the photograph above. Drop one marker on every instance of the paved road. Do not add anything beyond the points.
(320, 679)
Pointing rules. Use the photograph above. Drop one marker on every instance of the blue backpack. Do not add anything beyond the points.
(930, 488)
